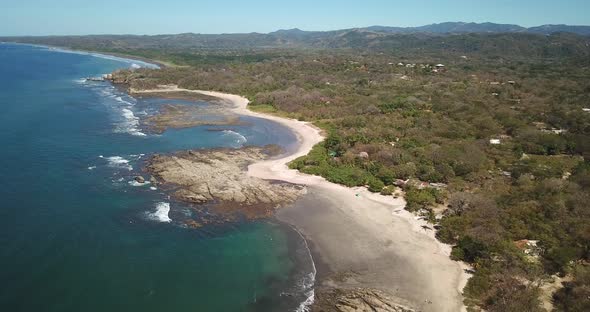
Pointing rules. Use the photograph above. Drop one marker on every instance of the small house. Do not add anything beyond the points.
(439, 68)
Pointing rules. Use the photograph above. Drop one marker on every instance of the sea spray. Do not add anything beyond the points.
(137, 184)
(118, 162)
(161, 213)
(130, 124)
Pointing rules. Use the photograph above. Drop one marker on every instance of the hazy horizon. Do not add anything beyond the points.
(68, 17)
(278, 29)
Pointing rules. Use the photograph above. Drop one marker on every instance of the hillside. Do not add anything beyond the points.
(492, 45)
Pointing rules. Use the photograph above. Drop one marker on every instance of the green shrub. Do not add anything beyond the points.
(419, 199)
(469, 250)
(388, 190)
(375, 185)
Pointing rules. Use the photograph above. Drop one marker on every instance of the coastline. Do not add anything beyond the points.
(363, 240)
(107, 55)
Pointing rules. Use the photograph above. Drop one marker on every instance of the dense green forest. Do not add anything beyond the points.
(493, 147)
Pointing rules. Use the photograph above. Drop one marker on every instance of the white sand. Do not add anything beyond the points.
(354, 230)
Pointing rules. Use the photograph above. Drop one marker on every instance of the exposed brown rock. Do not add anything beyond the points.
(220, 176)
(355, 300)
(179, 116)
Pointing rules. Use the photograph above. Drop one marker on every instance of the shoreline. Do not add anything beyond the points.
(368, 240)
(106, 55)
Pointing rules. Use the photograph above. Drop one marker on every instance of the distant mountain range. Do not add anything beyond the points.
(485, 39)
(460, 28)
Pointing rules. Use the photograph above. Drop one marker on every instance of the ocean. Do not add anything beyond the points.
(77, 235)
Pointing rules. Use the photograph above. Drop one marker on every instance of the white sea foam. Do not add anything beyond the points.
(153, 188)
(103, 56)
(308, 282)
(126, 120)
(123, 101)
(238, 139)
(91, 167)
(135, 66)
(161, 213)
(305, 306)
(135, 183)
(107, 91)
(130, 124)
(118, 162)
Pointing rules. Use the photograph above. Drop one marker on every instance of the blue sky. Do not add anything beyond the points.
(69, 17)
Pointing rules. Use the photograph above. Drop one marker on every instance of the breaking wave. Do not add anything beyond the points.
(307, 283)
(118, 162)
(132, 63)
(135, 183)
(238, 140)
(161, 213)
(130, 124)
(121, 105)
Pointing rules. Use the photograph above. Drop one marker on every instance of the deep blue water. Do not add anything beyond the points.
(76, 236)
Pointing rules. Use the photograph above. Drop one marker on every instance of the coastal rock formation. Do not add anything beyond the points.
(220, 176)
(187, 116)
(139, 179)
(356, 300)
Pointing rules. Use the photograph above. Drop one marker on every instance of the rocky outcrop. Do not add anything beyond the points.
(179, 116)
(220, 176)
(139, 179)
(356, 300)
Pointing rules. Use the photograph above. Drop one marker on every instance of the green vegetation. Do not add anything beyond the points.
(388, 122)
(574, 296)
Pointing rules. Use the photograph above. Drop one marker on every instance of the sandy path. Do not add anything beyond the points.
(368, 236)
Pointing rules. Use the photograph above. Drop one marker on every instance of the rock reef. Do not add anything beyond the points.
(187, 116)
(356, 300)
(219, 176)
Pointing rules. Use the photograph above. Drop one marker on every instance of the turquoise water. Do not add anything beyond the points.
(75, 235)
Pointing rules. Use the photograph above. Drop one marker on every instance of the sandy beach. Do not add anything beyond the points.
(360, 240)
